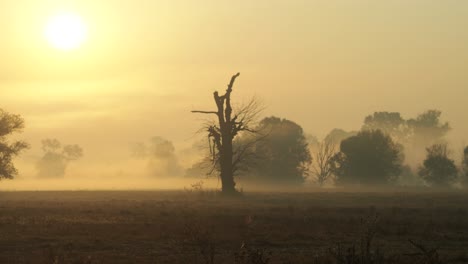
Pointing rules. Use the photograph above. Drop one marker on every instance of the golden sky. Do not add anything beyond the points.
(147, 63)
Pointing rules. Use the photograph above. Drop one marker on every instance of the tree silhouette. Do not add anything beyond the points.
(9, 124)
(370, 157)
(322, 161)
(438, 169)
(390, 123)
(56, 158)
(427, 128)
(224, 130)
(160, 154)
(283, 153)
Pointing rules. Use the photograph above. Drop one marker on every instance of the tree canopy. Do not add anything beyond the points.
(438, 169)
(390, 123)
(423, 130)
(161, 156)
(56, 158)
(427, 128)
(9, 124)
(283, 153)
(370, 157)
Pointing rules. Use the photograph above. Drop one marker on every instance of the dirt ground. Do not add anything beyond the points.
(204, 227)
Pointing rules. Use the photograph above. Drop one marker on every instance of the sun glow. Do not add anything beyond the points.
(66, 31)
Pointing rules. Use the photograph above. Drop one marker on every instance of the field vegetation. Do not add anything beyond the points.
(202, 226)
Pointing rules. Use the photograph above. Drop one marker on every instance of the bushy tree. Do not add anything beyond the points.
(427, 128)
(283, 153)
(390, 123)
(161, 156)
(424, 130)
(56, 158)
(415, 133)
(438, 169)
(9, 124)
(371, 157)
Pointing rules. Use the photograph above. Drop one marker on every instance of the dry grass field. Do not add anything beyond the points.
(196, 226)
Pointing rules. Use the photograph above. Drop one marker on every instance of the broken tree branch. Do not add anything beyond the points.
(204, 112)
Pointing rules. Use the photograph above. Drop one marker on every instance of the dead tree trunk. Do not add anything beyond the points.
(222, 136)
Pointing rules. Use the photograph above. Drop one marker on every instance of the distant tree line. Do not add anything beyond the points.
(374, 155)
(277, 150)
(52, 164)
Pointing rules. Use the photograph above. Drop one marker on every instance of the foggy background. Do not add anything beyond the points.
(322, 64)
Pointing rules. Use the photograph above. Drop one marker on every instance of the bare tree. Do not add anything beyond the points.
(221, 134)
(322, 158)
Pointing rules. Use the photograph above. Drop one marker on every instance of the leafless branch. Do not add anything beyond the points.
(243, 154)
(204, 112)
(322, 168)
(246, 116)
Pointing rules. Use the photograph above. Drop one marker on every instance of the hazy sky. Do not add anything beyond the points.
(147, 63)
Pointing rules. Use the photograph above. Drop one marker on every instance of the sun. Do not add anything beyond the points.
(66, 31)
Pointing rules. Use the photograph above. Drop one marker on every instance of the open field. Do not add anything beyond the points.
(201, 227)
